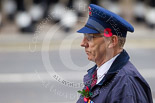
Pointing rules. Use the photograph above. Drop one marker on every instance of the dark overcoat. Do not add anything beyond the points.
(122, 84)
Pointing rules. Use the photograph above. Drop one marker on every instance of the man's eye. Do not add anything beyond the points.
(90, 37)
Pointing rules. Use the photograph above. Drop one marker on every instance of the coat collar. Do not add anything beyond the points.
(118, 63)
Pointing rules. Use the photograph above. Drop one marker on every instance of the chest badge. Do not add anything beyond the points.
(90, 101)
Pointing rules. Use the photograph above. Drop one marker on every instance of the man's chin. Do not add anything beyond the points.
(90, 59)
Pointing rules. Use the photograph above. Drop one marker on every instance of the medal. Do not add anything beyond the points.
(90, 101)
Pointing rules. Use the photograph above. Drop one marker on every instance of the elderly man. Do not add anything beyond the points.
(113, 79)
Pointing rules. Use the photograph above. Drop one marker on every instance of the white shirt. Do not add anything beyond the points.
(103, 69)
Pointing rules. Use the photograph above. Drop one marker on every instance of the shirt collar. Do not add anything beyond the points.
(102, 70)
(118, 63)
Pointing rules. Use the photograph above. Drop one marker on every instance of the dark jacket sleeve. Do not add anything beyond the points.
(130, 90)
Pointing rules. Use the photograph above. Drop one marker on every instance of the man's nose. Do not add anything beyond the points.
(84, 42)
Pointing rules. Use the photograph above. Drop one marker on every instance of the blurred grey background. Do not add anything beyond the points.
(41, 60)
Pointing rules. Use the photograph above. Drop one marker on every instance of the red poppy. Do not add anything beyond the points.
(86, 94)
(87, 89)
(107, 32)
(86, 99)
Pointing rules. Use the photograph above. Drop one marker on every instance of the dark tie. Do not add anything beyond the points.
(94, 79)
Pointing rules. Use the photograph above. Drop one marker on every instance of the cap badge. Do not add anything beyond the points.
(90, 13)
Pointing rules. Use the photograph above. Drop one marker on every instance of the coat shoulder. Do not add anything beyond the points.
(129, 71)
(130, 83)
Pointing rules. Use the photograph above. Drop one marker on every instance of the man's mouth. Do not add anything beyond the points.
(87, 52)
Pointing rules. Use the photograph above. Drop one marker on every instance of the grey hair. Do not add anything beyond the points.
(121, 41)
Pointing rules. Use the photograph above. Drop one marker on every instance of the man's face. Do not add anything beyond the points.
(95, 47)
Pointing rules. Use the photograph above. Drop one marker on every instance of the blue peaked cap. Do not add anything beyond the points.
(101, 19)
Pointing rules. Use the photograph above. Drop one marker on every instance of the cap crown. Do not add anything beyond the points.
(101, 19)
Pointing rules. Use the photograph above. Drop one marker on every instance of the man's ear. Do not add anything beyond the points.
(113, 41)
